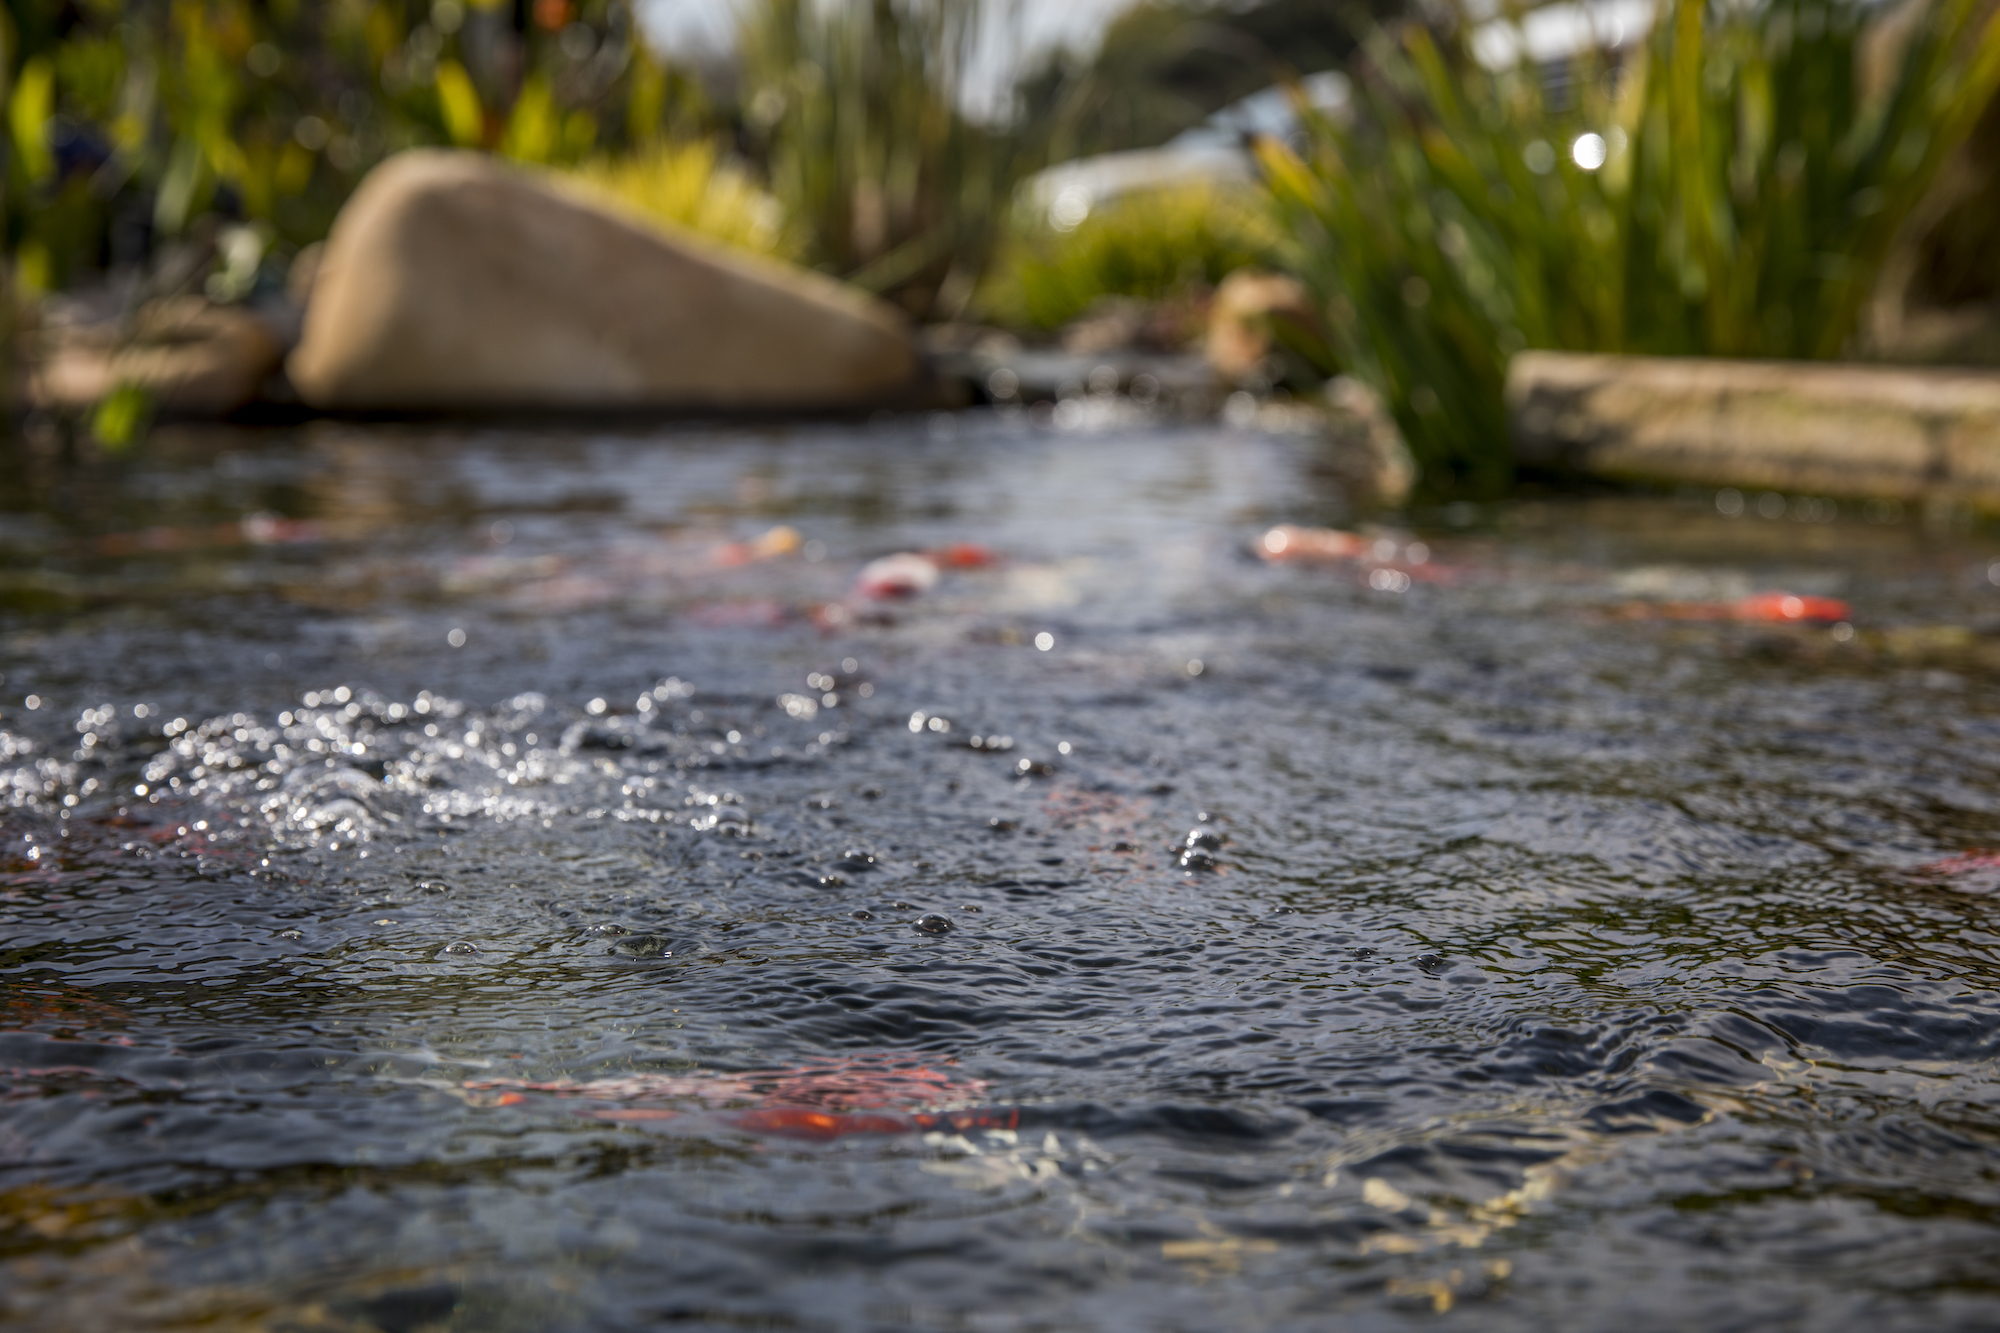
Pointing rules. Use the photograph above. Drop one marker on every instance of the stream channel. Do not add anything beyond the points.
(461, 878)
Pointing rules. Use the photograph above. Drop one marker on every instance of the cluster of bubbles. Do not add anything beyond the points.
(348, 766)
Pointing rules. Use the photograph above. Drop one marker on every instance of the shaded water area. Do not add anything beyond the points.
(556, 902)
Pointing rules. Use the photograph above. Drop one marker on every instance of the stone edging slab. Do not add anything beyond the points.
(1831, 429)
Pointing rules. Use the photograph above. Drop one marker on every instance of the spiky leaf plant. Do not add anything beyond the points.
(1733, 189)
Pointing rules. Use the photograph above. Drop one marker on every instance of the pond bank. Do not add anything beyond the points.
(1911, 434)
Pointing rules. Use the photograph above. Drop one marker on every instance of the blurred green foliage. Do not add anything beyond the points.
(1752, 186)
(120, 421)
(858, 111)
(129, 119)
(688, 185)
(1155, 245)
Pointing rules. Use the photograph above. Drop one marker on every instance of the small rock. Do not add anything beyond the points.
(1251, 314)
(190, 357)
(644, 946)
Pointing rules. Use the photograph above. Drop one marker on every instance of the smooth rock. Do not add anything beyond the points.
(1121, 323)
(1373, 455)
(192, 359)
(1243, 320)
(1831, 429)
(452, 281)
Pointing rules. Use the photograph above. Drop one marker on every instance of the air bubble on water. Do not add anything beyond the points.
(933, 924)
(1200, 849)
(902, 907)
(862, 914)
(291, 934)
(610, 928)
(461, 947)
(644, 946)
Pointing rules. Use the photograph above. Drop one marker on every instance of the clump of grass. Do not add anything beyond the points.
(1153, 245)
(1737, 194)
(688, 185)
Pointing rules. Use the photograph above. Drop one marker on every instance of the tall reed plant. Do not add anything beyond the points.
(861, 112)
(1733, 188)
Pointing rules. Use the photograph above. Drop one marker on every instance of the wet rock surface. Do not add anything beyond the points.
(187, 356)
(531, 914)
(1907, 433)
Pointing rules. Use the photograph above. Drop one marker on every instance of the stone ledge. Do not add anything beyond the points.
(1831, 429)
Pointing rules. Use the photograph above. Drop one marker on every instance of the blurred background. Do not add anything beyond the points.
(1408, 193)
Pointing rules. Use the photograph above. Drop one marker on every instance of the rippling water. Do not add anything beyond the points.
(479, 880)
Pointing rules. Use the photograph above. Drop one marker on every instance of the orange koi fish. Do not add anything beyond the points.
(1287, 542)
(781, 540)
(1770, 608)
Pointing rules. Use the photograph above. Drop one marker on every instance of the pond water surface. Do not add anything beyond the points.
(463, 879)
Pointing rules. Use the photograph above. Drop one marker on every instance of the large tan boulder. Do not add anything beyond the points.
(1861, 430)
(452, 281)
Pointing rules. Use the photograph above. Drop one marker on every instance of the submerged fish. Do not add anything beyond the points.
(1762, 608)
(818, 1101)
(1975, 871)
(781, 540)
(252, 530)
(1288, 542)
(908, 573)
(904, 574)
(963, 555)
(1784, 606)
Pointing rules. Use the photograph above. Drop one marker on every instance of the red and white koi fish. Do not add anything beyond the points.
(1976, 871)
(910, 573)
